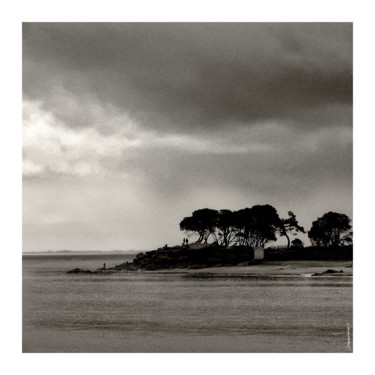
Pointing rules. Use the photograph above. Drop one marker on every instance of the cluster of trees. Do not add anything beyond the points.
(332, 229)
(252, 227)
(260, 224)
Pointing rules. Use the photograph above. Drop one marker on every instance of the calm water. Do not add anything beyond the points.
(153, 312)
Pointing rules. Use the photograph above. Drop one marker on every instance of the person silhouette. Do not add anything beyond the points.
(187, 241)
(183, 241)
(104, 266)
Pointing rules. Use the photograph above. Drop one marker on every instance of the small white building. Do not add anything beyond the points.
(259, 253)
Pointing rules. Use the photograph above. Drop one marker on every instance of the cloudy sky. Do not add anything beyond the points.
(127, 128)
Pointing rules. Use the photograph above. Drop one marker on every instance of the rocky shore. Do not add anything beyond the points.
(194, 256)
(328, 272)
(211, 256)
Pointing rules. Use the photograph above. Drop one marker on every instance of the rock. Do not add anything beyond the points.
(163, 258)
(78, 270)
(327, 272)
(193, 256)
(121, 266)
(132, 267)
(331, 271)
(141, 255)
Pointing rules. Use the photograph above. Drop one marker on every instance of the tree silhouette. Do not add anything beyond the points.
(256, 225)
(226, 226)
(296, 243)
(332, 229)
(290, 226)
(203, 222)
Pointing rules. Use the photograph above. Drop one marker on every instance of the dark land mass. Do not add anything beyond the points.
(328, 272)
(198, 256)
(342, 253)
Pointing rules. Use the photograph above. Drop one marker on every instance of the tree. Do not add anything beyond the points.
(332, 229)
(203, 222)
(290, 225)
(296, 243)
(226, 227)
(265, 224)
(256, 225)
(190, 227)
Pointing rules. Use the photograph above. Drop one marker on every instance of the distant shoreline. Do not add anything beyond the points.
(77, 252)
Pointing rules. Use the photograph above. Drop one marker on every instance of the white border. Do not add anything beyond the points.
(13, 13)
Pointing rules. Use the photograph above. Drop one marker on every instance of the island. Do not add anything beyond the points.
(241, 239)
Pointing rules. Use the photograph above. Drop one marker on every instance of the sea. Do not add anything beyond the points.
(169, 312)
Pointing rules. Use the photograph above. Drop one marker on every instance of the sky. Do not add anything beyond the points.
(130, 127)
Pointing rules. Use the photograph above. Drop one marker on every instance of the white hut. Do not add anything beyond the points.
(259, 253)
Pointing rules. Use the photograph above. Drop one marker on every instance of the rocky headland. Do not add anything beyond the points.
(210, 256)
(192, 256)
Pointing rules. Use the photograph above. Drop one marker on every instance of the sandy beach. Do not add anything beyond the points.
(273, 268)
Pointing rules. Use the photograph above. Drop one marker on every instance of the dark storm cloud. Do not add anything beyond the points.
(193, 77)
(127, 126)
(291, 169)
